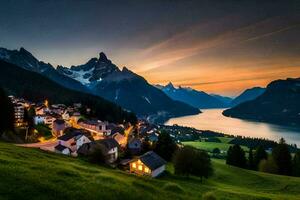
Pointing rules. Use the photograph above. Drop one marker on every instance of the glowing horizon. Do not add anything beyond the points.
(220, 47)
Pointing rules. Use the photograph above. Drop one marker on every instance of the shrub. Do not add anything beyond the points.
(209, 196)
(268, 166)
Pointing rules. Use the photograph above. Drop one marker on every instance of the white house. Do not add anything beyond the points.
(80, 140)
(96, 127)
(149, 164)
(73, 140)
(39, 119)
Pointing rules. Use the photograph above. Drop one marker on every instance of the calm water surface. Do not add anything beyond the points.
(212, 119)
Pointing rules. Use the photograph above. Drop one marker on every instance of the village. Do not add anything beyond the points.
(73, 134)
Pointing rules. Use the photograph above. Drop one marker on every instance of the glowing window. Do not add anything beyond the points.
(146, 170)
(133, 165)
(141, 167)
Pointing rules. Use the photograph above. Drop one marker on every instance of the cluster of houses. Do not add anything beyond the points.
(77, 136)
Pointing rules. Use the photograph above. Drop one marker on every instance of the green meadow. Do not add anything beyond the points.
(209, 146)
(33, 174)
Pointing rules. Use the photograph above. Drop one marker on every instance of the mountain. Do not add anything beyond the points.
(248, 95)
(226, 100)
(99, 76)
(26, 60)
(192, 97)
(280, 104)
(34, 87)
(126, 88)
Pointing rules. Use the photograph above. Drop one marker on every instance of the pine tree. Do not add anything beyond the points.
(260, 154)
(296, 164)
(282, 158)
(236, 156)
(165, 146)
(251, 164)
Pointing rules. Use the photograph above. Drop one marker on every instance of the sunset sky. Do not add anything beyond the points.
(216, 46)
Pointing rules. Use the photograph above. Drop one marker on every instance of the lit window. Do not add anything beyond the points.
(146, 170)
(133, 165)
(141, 167)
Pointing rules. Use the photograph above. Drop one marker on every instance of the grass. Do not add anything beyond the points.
(33, 174)
(209, 146)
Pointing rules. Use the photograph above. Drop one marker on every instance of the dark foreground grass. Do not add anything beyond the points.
(33, 174)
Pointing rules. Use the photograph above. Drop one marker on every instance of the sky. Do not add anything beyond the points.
(216, 46)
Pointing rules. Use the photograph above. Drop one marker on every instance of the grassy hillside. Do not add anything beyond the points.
(33, 174)
(209, 146)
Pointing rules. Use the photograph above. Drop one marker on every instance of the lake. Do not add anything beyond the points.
(212, 119)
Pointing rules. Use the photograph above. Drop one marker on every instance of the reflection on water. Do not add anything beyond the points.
(212, 119)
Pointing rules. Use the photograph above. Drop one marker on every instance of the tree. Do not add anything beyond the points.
(229, 157)
(268, 166)
(251, 164)
(260, 154)
(296, 164)
(236, 157)
(97, 155)
(7, 117)
(216, 151)
(165, 146)
(282, 158)
(191, 161)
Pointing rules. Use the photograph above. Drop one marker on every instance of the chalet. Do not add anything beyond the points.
(62, 149)
(41, 110)
(58, 127)
(121, 139)
(109, 146)
(96, 127)
(73, 140)
(135, 145)
(149, 164)
(49, 119)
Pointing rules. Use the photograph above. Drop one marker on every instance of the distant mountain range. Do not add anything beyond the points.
(247, 95)
(101, 77)
(195, 98)
(280, 104)
(34, 87)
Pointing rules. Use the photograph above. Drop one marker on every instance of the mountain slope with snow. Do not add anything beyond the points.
(192, 97)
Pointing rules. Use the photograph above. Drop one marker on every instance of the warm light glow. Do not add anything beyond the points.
(146, 170)
(133, 165)
(46, 103)
(141, 167)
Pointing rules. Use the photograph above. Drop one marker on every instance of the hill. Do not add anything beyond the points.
(34, 87)
(279, 104)
(195, 98)
(247, 95)
(33, 174)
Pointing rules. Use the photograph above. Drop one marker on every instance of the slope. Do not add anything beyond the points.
(33, 174)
